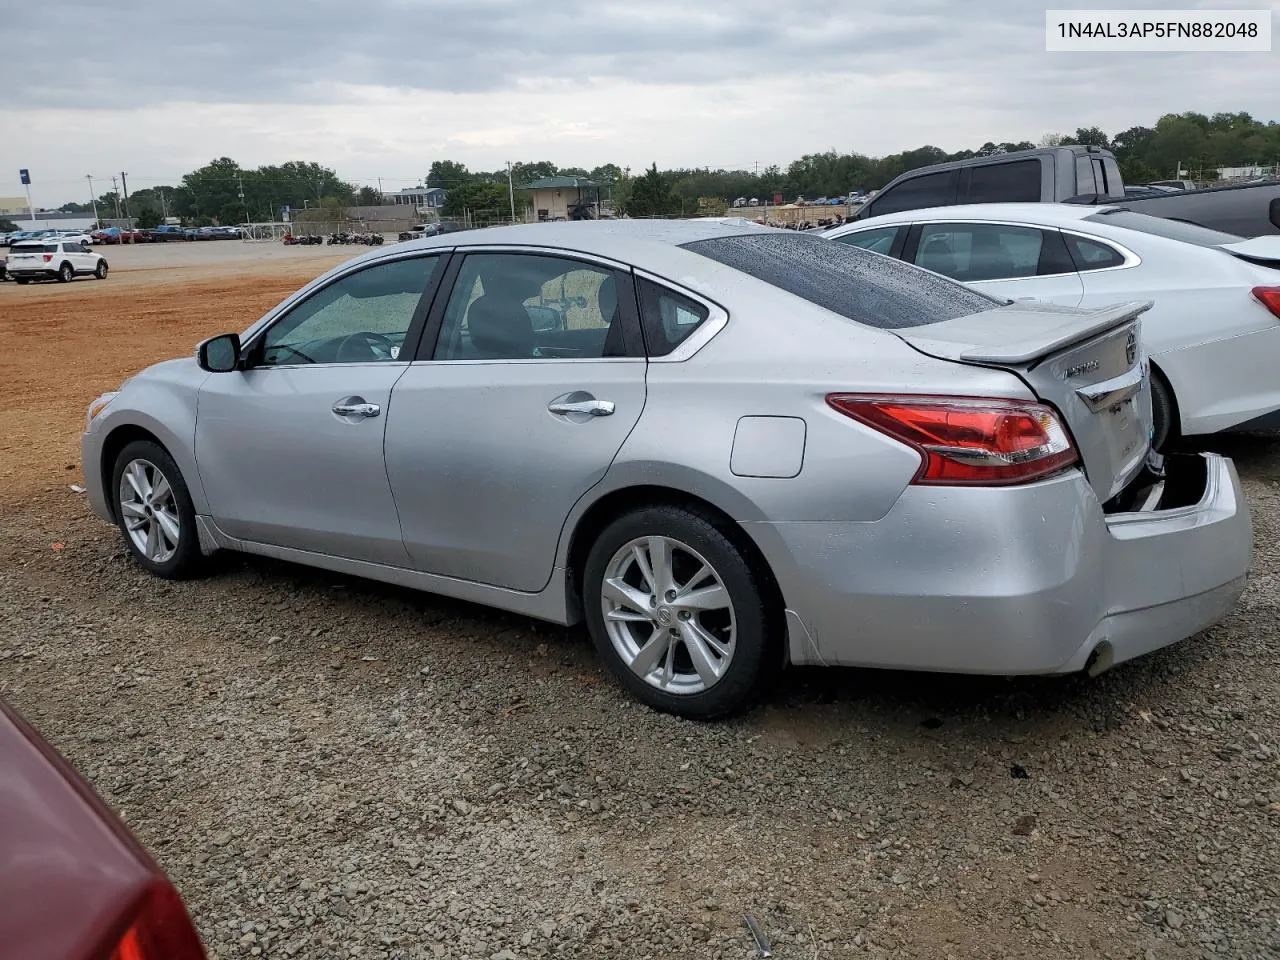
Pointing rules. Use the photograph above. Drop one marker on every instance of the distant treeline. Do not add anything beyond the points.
(222, 191)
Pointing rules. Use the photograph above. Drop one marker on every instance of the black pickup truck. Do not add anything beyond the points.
(1074, 174)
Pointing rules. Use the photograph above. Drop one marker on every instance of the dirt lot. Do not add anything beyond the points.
(331, 768)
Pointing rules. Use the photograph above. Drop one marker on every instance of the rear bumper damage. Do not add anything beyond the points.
(1020, 580)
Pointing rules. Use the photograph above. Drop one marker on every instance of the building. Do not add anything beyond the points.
(1246, 173)
(428, 198)
(568, 198)
(11, 207)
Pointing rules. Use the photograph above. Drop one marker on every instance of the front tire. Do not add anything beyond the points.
(23, 280)
(1164, 413)
(101, 271)
(678, 612)
(154, 511)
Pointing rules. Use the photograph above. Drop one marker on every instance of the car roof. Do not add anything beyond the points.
(608, 238)
(1048, 214)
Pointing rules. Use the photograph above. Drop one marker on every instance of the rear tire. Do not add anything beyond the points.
(101, 271)
(695, 641)
(154, 511)
(21, 279)
(1164, 412)
(65, 273)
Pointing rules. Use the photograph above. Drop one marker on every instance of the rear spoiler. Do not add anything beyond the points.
(1087, 324)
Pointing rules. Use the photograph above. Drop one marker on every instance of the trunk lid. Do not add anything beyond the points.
(1088, 364)
(1264, 251)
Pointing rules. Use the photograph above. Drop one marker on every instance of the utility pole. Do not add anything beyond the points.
(379, 191)
(124, 184)
(243, 201)
(511, 191)
(115, 195)
(164, 210)
(93, 200)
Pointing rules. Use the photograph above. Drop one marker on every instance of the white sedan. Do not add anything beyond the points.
(1213, 335)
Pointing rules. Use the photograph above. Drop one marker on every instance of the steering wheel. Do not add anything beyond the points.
(368, 338)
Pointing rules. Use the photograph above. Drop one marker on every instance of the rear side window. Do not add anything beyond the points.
(930, 190)
(668, 317)
(34, 248)
(1092, 254)
(1016, 182)
(1084, 177)
(858, 285)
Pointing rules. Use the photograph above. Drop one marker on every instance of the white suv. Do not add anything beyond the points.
(54, 258)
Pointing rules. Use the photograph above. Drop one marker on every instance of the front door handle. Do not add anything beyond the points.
(356, 407)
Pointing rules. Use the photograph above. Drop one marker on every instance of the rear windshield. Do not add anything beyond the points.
(34, 248)
(855, 283)
(1164, 227)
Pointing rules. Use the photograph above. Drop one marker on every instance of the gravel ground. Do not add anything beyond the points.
(331, 768)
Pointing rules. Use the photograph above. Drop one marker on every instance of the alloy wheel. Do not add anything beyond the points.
(149, 511)
(668, 615)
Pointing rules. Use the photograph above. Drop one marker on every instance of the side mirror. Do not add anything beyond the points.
(219, 354)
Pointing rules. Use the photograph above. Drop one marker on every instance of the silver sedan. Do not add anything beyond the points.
(724, 447)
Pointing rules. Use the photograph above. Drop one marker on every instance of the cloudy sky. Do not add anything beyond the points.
(380, 88)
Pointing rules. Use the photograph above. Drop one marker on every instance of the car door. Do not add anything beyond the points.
(289, 449)
(1014, 261)
(512, 412)
(82, 261)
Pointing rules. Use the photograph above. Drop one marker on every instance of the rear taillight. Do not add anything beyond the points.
(161, 930)
(1269, 297)
(968, 440)
(47, 257)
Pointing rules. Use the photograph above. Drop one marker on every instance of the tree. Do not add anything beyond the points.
(368, 197)
(651, 196)
(447, 174)
(522, 173)
(483, 199)
(8, 226)
(148, 218)
(1091, 137)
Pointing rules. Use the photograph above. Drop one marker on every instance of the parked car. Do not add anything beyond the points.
(54, 259)
(873, 464)
(108, 235)
(84, 239)
(1043, 175)
(1213, 334)
(75, 884)
(166, 233)
(227, 233)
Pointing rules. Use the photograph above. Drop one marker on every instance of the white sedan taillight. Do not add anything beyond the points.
(968, 440)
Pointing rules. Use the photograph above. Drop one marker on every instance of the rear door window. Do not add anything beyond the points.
(34, 248)
(970, 252)
(854, 283)
(1015, 182)
(929, 190)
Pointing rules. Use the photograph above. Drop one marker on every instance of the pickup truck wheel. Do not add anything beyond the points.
(101, 272)
(65, 273)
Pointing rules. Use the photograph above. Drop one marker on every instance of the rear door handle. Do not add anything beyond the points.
(356, 407)
(594, 408)
(583, 405)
